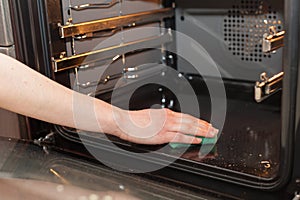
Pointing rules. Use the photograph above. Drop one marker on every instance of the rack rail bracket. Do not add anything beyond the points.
(72, 30)
(273, 40)
(267, 86)
(75, 61)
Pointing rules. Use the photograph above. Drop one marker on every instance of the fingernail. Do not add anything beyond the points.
(198, 140)
(213, 132)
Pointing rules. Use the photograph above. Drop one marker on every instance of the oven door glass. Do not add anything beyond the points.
(29, 171)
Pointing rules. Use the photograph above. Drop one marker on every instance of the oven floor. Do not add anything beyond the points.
(250, 141)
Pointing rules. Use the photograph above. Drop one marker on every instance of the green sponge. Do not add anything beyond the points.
(205, 141)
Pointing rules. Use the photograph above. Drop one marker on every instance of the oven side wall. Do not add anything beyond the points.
(9, 121)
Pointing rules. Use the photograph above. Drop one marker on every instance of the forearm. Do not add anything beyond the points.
(29, 93)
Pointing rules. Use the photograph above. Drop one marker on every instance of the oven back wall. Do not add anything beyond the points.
(231, 33)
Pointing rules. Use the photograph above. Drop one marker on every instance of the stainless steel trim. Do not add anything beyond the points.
(72, 30)
(110, 52)
(94, 5)
(6, 34)
(8, 51)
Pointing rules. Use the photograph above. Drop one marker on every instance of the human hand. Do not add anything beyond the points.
(159, 126)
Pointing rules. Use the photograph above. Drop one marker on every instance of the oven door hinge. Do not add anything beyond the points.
(46, 142)
(273, 40)
(267, 86)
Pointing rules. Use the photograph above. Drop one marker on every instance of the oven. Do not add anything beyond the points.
(233, 63)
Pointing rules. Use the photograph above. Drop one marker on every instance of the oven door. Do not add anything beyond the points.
(27, 170)
(221, 61)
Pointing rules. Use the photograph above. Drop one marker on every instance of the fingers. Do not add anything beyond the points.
(181, 138)
(195, 130)
(187, 124)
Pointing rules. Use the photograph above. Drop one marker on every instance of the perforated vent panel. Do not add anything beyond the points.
(245, 25)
